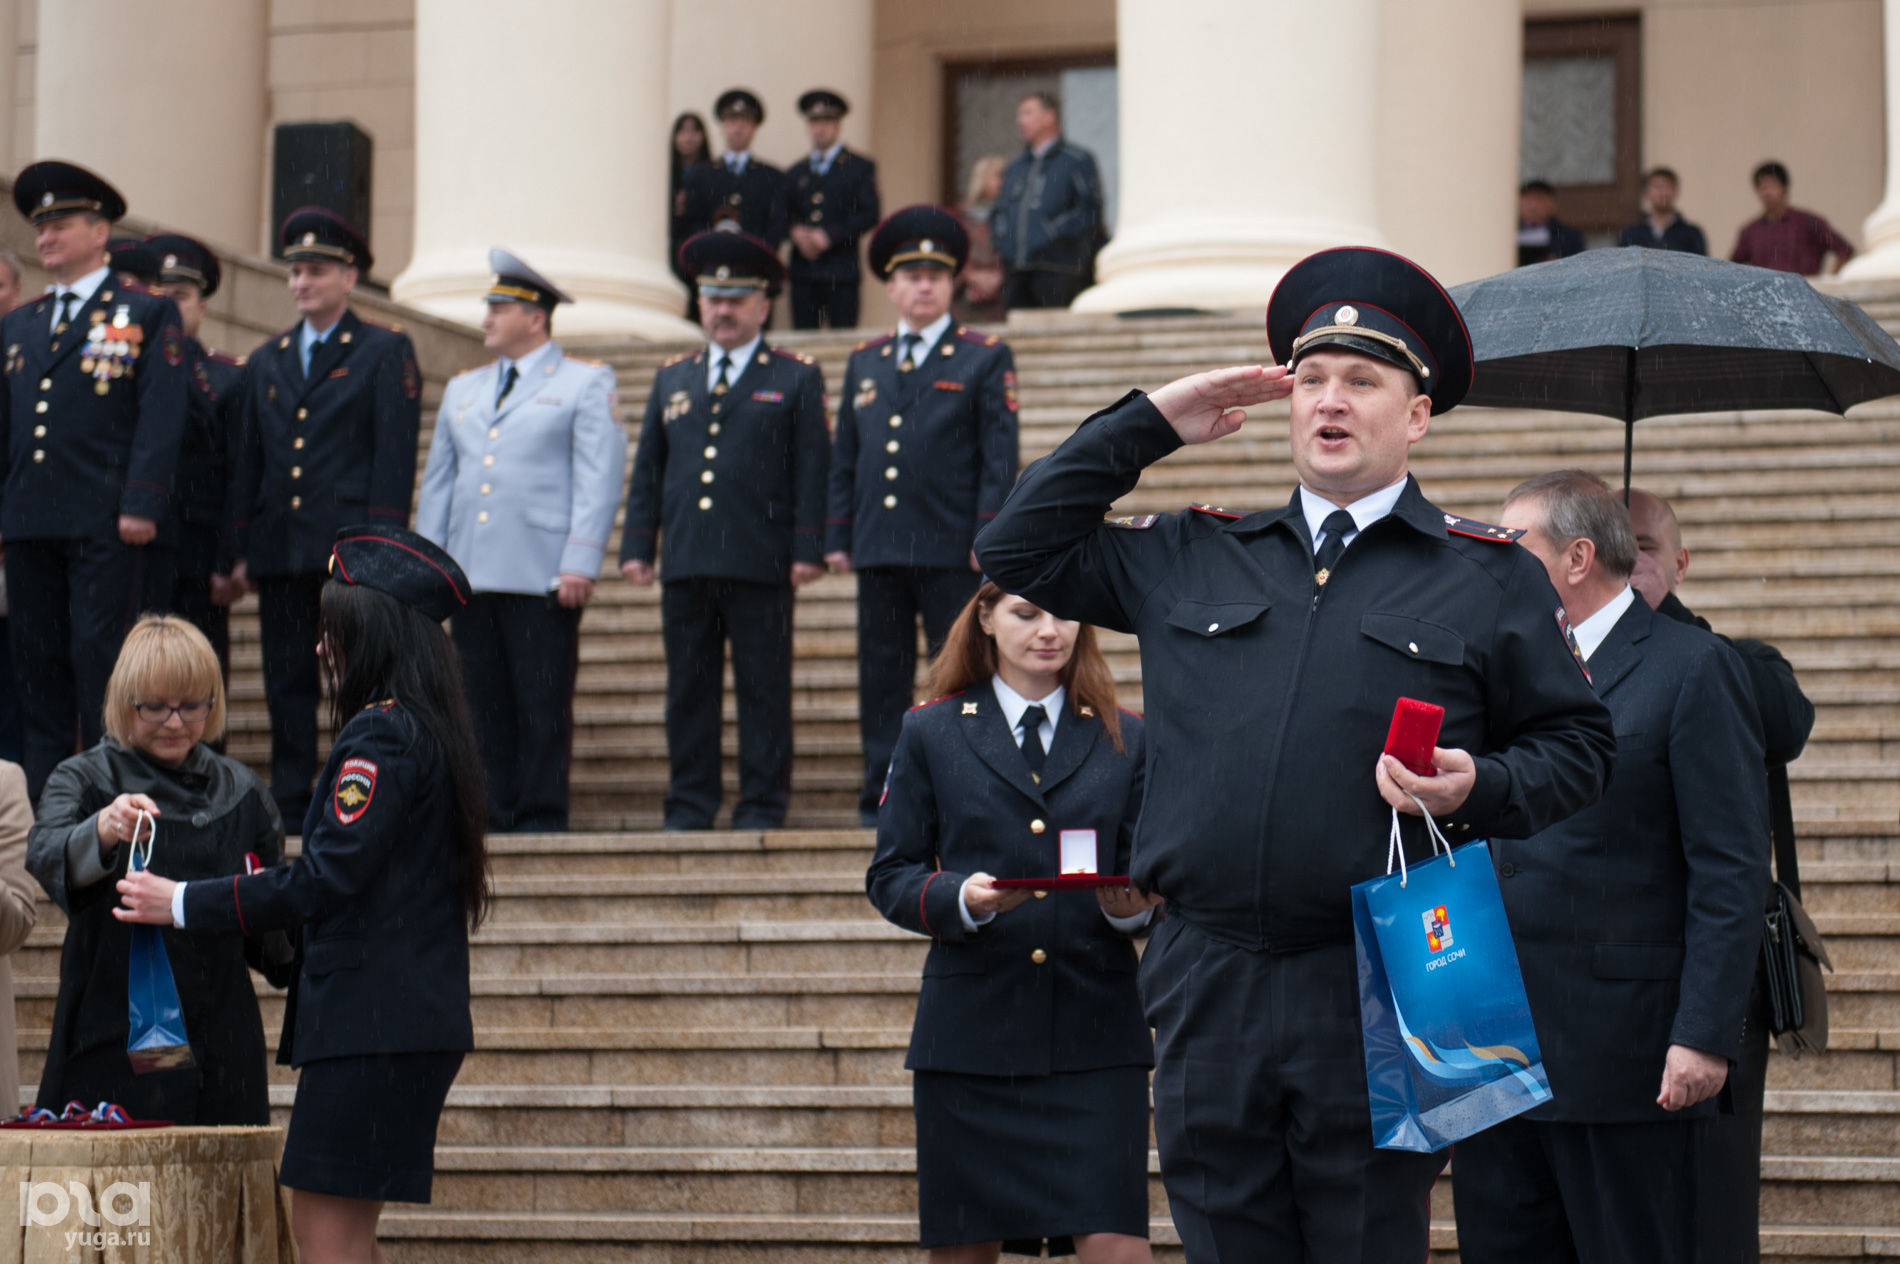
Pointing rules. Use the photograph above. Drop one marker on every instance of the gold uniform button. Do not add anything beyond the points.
(302, 413)
(1042, 895)
(713, 429)
(39, 454)
(482, 516)
(39, 432)
(705, 502)
(296, 471)
(817, 198)
(40, 407)
(489, 459)
(891, 446)
(705, 476)
(817, 217)
(46, 383)
(1036, 826)
(711, 452)
(495, 432)
(890, 473)
(890, 502)
(1039, 956)
(296, 444)
(486, 488)
(296, 502)
(896, 420)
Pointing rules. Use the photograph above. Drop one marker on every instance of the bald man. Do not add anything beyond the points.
(1729, 1150)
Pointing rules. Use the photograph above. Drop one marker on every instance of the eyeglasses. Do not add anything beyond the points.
(161, 712)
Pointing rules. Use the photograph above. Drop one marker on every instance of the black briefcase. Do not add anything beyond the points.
(1792, 957)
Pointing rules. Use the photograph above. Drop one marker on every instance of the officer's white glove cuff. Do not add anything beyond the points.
(970, 921)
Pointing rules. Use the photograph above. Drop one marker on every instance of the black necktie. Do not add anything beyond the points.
(68, 304)
(507, 384)
(908, 346)
(725, 369)
(316, 349)
(1033, 753)
(1338, 523)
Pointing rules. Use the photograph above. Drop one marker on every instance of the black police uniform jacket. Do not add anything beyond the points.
(204, 503)
(960, 800)
(1047, 216)
(756, 197)
(326, 451)
(72, 460)
(384, 944)
(1638, 920)
(918, 467)
(1268, 697)
(734, 485)
(843, 201)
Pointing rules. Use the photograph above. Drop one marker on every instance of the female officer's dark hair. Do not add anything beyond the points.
(968, 657)
(381, 648)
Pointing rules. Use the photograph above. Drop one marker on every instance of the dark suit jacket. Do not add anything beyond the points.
(755, 197)
(326, 451)
(843, 202)
(384, 953)
(1638, 920)
(920, 465)
(960, 800)
(765, 448)
(214, 437)
(72, 459)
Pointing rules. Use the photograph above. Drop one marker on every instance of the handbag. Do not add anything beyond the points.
(1449, 1044)
(155, 1029)
(1792, 952)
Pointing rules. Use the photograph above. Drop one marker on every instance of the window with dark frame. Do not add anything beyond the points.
(1582, 119)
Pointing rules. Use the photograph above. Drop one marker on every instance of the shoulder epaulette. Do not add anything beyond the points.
(1216, 511)
(381, 704)
(1126, 711)
(799, 356)
(934, 701)
(1475, 530)
(466, 372)
(1133, 522)
(592, 364)
(225, 357)
(392, 326)
(880, 340)
(681, 358)
(977, 336)
(283, 339)
(139, 287)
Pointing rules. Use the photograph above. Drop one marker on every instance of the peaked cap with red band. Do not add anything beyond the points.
(403, 564)
(1378, 304)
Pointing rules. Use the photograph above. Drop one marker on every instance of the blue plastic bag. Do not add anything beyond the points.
(155, 1036)
(1450, 1049)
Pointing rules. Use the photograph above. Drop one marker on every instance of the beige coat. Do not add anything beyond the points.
(18, 912)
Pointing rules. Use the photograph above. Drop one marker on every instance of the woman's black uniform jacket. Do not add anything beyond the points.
(385, 942)
(1048, 986)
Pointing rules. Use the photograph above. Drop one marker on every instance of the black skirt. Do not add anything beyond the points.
(364, 1127)
(1022, 1159)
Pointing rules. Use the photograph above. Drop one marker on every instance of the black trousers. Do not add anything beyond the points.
(71, 603)
(822, 304)
(519, 659)
(1041, 287)
(11, 735)
(196, 563)
(1261, 1114)
(288, 608)
(1728, 1152)
(698, 617)
(1564, 1193)
(891, 600)
(157, 571)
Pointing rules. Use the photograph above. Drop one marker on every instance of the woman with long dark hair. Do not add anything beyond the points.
(392, 878)
(1029, 1053)
(688, 147)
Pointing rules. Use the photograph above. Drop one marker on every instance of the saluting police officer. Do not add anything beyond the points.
(924, 454)
(1274, 646)
(331, 414)
(738, 187)
(730, 473)
(198, 538)
(833, 204)
(90, 423)
(522, 480)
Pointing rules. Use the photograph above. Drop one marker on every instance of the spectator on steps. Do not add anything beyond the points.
(1047, 220)
(1662, 226)
(1787, 238)
(689, 148)
(738, 187)
(980, 288)
(1029, 1052)
(833, 203)
(1541, 236)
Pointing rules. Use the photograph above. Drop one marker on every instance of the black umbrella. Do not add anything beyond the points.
(1633, 333)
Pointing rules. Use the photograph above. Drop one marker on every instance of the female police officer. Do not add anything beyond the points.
(392, 877)
(1030, 1052)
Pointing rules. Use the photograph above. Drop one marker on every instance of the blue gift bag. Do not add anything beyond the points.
(1450, 1049)
(155, 1036)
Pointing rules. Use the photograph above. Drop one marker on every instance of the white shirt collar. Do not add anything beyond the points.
(741, 356)
(1014, 704)
(311, 334)
(931, 334)
(86, 286)
(532, 360)
(823, 158)
(1591, 632)
(738, 158)
(1365, 511)
(1042, 150)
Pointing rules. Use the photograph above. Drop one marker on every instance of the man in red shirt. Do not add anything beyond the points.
(1784, 238)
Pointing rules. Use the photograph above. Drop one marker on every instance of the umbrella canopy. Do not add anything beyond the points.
(1633, 333)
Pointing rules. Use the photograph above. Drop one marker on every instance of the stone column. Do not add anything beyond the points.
(9, 83)
(166, 101)
(543, 129)
(1881, 260)
(1219, 102)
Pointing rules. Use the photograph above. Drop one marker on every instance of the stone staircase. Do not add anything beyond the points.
(691, 1046)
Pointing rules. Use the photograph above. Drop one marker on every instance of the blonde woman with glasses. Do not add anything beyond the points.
(164, 703)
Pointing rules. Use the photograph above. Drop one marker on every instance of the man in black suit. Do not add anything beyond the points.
(90, 422)
(1541, 236)
(833, 202)
(1638, 922)
(333, 405)
(739, 187)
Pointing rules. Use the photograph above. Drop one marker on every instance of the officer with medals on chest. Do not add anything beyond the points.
(331, 416)
(90, 422)
(729, 475)
(200, 543)
(1274, 648)
(738, 188)
(924, 454)
(833, 204)
(522, 480)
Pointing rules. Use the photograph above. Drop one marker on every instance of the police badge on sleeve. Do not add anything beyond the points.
(355, 787)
